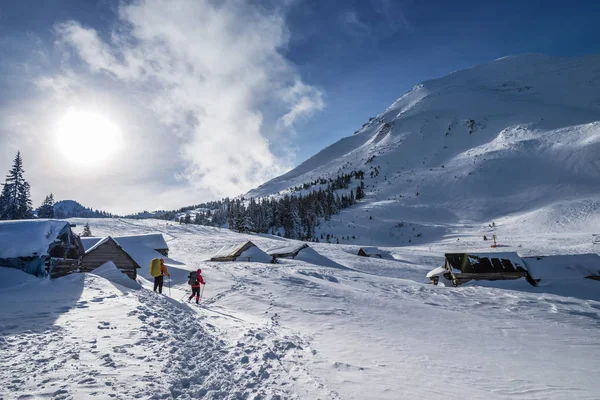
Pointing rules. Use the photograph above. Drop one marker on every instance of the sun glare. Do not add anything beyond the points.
(87, 138)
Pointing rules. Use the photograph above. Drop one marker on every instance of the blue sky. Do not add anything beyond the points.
(366, 64)
(211, 98)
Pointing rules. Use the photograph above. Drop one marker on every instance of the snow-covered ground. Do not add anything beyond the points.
(329, 326)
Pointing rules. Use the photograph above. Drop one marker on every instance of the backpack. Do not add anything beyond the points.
(193, 279)
(155, 267)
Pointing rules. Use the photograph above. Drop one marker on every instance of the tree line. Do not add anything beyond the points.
(291, 216)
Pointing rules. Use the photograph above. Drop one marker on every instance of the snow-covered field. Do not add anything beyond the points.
(337, 326)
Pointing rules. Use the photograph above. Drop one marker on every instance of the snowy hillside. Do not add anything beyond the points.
(516, 140)
(327, 325)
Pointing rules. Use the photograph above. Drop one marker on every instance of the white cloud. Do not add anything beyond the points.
(389, 19)
(215, 77)
(353, 25)
(305, 101)
(393, 15)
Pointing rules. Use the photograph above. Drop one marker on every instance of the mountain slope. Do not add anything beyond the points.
(514, 136)
(72, 209)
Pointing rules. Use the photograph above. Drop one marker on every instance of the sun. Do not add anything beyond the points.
(87, 138)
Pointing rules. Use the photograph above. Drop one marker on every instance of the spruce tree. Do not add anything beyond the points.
(15, 199)
(46, 210)
(87, 231)
(360, 193)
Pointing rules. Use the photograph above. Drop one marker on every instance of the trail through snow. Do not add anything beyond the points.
(372, 329)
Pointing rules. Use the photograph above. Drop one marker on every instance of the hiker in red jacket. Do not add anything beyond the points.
(195, 282)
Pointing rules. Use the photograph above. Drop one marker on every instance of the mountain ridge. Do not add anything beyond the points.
(72, 209)
(511, 136)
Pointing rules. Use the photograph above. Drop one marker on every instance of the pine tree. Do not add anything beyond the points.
(187, 219)
(15, 199)
(46, 210)
(360, 193)
(247, 224)
(87, 231)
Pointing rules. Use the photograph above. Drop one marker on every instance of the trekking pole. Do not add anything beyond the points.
(169, 286)
(202, 291)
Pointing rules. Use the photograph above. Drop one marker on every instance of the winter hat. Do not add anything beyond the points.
(199, 271)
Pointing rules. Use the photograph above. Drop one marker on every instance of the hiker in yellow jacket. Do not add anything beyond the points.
(159, 280)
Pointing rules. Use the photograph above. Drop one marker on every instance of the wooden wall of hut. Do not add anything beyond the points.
(109, 251)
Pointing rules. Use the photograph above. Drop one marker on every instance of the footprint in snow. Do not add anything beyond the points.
(104, 325)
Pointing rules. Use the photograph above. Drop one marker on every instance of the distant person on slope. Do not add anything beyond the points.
(159, 280)
(195, 281)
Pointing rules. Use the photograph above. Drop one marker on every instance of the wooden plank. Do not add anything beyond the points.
(490, 276)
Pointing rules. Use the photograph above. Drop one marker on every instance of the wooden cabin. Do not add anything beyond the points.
(463, 267)
(244, 251)
(154, 241)
(231, 253)
(108, 249)
(373, 252)
(288, 251)
(40, 247)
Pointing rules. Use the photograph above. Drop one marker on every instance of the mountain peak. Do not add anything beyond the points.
(517, 134)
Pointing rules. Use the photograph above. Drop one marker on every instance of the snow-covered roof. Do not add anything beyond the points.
(254, 254)
(457, 261)
(89, 241)
(287, 249)
(100, 243)
(371, 250)
(563, 266)
(29, 237)
(436, 271)
(232, 250)
(154, 241)
(311, 256)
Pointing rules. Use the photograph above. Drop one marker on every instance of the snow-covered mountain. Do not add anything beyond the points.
(517, 139)
(72, 209)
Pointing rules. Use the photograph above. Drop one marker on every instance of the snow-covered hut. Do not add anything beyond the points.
(289, 250)
(244, 251)
(39, 247)
(372, 252)
(154, 241)
(108, 249)
(462, 267)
